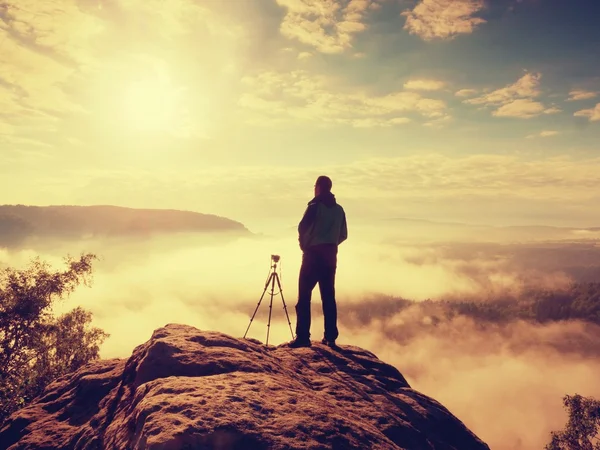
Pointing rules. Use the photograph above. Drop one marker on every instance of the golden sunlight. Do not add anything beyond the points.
(153, 104)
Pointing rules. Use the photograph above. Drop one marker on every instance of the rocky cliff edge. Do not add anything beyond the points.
(192, 389)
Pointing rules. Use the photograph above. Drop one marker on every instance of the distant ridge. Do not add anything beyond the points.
(417, 221)
(429, 221)
(20, 222)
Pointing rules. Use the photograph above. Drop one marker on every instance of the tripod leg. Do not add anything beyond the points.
(261, 297)
(284, 306)
(271, 305)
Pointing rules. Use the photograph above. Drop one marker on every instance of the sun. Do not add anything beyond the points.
(152, 103)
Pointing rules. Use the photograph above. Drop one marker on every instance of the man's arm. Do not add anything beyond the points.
(308, 219)
(344, 230)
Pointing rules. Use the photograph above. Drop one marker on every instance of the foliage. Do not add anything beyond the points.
(35, 346)
(13, 229)
(581, 301)
(581, 431)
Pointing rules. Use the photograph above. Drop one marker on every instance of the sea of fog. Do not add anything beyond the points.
(505, 384)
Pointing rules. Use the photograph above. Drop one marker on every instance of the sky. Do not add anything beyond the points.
(483, 112)
(466, 110)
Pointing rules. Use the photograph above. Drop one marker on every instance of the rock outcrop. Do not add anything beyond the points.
(191, 389)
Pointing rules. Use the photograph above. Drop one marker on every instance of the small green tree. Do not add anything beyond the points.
(581, 431)
(35, 346)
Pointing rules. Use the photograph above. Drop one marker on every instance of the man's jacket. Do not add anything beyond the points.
(324, 222)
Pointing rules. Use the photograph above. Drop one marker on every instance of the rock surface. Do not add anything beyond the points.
(191, 389)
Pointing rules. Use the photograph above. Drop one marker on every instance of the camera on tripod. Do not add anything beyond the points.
(272, 279)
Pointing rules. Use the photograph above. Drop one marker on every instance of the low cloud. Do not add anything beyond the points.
(580, 94)
(424, 85)
(522, 108)
(516, 100)
(483, 372)
(552, 110)
(273, 97)
(593, 114)
(506, 383)
(326, 25)
(31, 97)
(214, 282)
(69, 66)
(543, 134)
(305, 55)
(466, 92)
(528, 86)
(443, 19)
(202, 278)
(421, 185)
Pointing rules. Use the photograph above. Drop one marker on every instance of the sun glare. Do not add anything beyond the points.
(153, 104)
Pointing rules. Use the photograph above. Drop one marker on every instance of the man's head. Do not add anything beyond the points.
(323, 185)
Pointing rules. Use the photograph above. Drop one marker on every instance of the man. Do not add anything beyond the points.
(322, 228)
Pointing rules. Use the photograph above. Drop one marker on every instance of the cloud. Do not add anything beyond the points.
(438, 122)
(326, 25)
(580, 94)
(439, 175)
(552, 110)
(273, 97)
(374, 122)
(543, 134)
(69, 66)
(305, 55)
(592, 114)
(499, 187)
(417, 176)
(150, 281)
(527, 86)
(164, 278)
(45, 35)
(523, 108)
(172, 21)
(424, 85)
(58, 30)
(488, 370)
(548, 133)
(400, 120)
(466, 92)
(443, 19)
(517, 99)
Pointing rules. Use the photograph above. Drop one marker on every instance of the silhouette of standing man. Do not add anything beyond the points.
(322, 228)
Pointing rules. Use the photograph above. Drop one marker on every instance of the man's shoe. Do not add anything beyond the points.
(298, 342)
(324, 341)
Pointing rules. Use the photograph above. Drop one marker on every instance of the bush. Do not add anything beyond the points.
(35, 346)
(581, 431)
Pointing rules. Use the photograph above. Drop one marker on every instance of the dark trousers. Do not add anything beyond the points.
(319, 265)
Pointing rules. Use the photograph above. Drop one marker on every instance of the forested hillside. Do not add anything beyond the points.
(581, 301)
(18, 222)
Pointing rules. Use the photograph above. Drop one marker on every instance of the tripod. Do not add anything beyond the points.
(272, 278)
